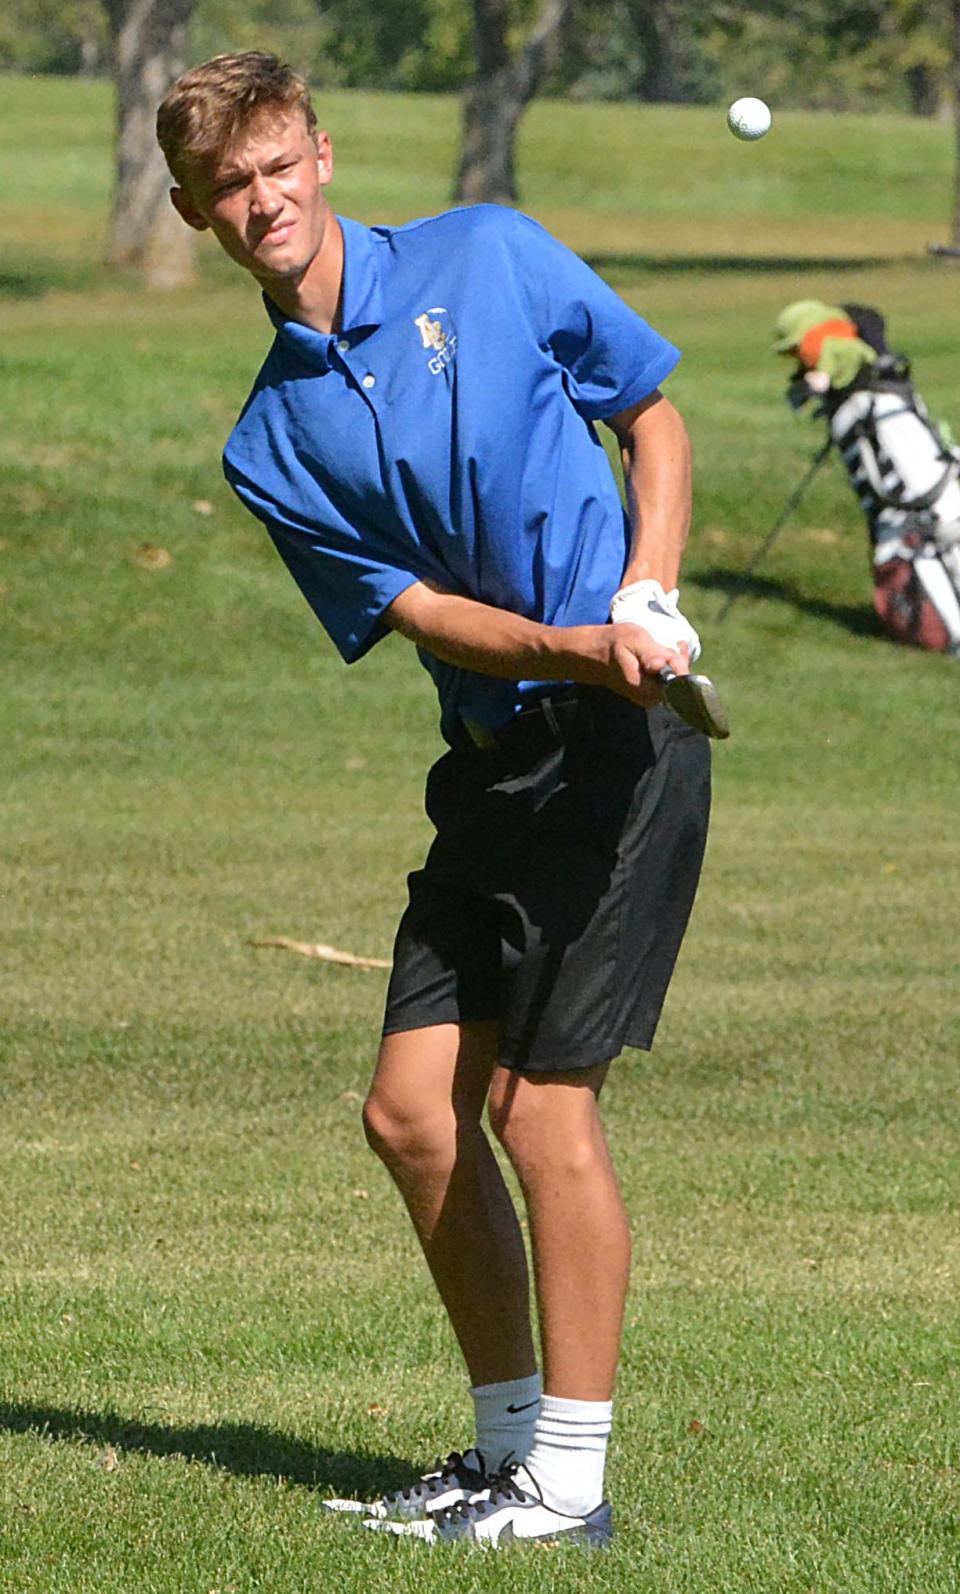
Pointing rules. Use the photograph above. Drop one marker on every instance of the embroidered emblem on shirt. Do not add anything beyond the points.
(436, 337)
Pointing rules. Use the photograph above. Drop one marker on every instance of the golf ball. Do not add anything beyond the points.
(749, 118)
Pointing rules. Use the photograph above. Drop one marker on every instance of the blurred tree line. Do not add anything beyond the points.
(824, 54)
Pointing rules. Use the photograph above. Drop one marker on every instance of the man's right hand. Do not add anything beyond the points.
(631, 660)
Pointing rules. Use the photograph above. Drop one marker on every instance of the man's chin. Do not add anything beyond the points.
(279, 266)
(279, 271)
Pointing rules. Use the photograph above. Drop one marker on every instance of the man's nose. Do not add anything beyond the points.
(265, 196)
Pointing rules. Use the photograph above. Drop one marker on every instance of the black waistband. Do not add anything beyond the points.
(546, 719)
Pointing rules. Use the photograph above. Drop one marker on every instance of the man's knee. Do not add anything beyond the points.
(540, 1129)
(428, 1092)
(506, 1116)
(408, 1133)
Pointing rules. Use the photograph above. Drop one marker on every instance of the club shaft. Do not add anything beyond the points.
(777, 527)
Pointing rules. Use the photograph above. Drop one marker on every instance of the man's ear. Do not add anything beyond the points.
(324, 156)
(184, 207)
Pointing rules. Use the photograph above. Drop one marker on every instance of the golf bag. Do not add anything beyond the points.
(906, 473)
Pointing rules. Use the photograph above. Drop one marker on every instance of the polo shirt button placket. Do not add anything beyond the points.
(368, 381)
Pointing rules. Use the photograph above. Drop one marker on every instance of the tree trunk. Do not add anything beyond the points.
(923, 90)
(496, 100)
(955, 231)
(659, 24)
(149, 51)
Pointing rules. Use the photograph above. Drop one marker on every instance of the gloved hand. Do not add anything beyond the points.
(645, 603)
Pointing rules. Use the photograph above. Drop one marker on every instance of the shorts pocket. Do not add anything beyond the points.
(609, 768)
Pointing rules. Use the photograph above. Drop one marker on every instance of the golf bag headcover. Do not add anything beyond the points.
(905, 471)
(827, 345)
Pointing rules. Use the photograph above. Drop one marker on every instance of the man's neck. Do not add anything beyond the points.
(316, 298)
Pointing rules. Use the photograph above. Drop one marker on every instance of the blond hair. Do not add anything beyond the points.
(208, 107)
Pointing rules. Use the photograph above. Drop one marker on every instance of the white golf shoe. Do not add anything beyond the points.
(507, 1510)
(453, 1481)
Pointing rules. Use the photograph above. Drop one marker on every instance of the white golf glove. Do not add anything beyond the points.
(645, 603)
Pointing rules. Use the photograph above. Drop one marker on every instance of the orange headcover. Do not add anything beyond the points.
(808, 349)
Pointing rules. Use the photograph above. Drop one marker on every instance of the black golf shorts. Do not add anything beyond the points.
(557, 890)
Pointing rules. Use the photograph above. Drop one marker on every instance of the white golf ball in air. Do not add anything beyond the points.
(749, 118)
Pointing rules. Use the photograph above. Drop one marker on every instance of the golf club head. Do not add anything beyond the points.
(696, 700)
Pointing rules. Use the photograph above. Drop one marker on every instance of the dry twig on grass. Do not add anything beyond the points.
(323, 954)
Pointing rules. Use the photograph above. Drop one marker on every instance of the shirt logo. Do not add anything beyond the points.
(435, 336)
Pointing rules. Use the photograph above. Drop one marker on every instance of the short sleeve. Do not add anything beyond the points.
(611, 356)
(346, 584)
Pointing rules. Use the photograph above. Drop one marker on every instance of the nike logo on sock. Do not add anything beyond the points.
(529, 1403)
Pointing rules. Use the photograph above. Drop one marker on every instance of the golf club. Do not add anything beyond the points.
(777, 527)
(696, 700)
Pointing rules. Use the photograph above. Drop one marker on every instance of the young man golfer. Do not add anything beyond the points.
(420, 445)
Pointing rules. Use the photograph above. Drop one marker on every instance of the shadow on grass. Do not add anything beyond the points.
(37, 281)
(240, 1448)
(861, 621)
(718, 264)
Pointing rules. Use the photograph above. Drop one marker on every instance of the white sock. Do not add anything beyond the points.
(506, 1414)
(569, 1451)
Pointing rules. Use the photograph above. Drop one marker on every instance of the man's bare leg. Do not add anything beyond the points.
(423, 1119)
(550, 1128)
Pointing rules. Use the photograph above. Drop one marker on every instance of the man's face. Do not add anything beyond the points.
(263, 197)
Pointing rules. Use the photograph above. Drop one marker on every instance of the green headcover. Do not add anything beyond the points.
(801, 317)
(840, 358)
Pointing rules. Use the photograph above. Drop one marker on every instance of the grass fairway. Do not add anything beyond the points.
(211, 1313)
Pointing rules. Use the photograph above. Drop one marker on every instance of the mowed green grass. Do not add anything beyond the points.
(211, 1313)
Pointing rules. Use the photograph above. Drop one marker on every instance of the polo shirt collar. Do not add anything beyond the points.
(362, 298)
(362, 292)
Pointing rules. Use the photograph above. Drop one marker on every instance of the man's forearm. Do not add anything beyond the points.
(655, 450)
(475, 636)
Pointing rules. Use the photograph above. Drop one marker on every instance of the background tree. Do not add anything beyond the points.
(637, 49)
(667, 31)
(920, 51)
(829, 54)
(149, 43)
(365, 44)
(823, 54)
(295, 30)
(955, 20)
(507, 77)
(68, 36)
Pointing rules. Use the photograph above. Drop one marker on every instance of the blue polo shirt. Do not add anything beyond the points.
(445, 434)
